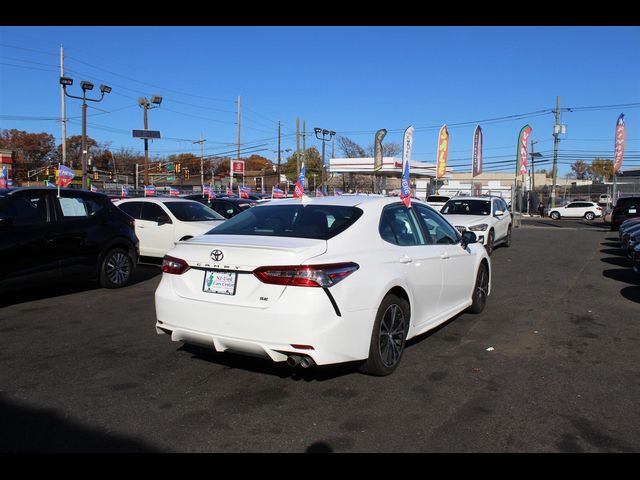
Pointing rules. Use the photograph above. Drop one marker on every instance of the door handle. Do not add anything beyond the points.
(405, 259)
(444, 256)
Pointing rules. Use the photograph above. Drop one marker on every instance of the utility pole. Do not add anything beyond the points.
(297, 146)
(201, 142)
(238, 154)
(64, 110)
(556, 133)
(278, 169)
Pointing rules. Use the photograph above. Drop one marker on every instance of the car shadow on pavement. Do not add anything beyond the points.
(141, 273)
(625, 275)
(267, 367)
(631, 293)
(27, 429)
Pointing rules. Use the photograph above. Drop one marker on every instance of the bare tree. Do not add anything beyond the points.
(349, 148)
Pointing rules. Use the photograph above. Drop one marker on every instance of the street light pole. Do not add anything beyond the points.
(324, 133)
(64, 81)
(146, 105)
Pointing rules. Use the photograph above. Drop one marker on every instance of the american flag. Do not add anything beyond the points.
(149, 190)
(244, 192)
(276, 193)
(173, 192)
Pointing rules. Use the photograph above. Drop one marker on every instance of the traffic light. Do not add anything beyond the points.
(186, 173)
(110, 175)
(96, 176)
(178, 168)
(46, 171)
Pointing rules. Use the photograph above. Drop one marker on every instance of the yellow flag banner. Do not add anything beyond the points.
(443, 150)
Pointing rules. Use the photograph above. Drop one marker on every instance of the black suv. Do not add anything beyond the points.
(46, 238)
(229, 207)
(626, 207)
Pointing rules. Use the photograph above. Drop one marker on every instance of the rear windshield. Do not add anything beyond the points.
(467, 207)
(192, 211)
(303, 221)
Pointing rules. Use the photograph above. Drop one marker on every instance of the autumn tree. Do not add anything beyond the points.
(31, 150)
(580, 169)
(601, 169)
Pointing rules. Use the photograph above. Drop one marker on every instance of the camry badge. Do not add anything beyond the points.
(217, 255)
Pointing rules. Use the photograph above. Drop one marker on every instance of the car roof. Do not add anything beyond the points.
(343, 200)
(487, 197)
(156, 199)
(12, 190)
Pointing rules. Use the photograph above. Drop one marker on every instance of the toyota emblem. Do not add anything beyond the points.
(217, 255)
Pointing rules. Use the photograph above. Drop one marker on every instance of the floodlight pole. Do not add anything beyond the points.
(324, 133)
(64, 81)
(146, 105)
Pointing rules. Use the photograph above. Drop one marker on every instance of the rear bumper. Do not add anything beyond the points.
(302, 317)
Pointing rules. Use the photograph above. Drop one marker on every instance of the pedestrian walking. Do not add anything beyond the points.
(541, 209)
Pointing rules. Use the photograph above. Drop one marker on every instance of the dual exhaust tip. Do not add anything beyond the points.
(303, 361)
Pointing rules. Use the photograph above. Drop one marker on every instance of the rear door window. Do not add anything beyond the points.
(133, 209)
(26, 208)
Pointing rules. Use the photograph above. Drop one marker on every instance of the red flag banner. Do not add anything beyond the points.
(621, 136)
(523, 148)
(477, 151)
(443, 151)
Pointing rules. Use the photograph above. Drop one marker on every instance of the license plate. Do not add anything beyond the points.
(216, 281)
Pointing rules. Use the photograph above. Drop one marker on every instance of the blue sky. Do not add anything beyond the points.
(353, 80)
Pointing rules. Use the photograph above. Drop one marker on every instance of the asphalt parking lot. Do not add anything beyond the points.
(551, 365)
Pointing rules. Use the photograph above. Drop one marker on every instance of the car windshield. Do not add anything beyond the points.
(192, 211)
(467, 207)
(309, 221)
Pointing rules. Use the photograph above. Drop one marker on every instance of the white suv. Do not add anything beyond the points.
(488, 217)
(579, 209)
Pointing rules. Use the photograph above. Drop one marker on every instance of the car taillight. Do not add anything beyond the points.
(173, 265)
(306, 275)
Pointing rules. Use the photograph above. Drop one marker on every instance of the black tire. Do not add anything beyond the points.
(116, 269)
(490, 241)
(507, 241)
(480, 290)
(589, 216)
(555, 215)
(388, 336)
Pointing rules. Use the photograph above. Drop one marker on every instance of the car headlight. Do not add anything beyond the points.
(478, 228)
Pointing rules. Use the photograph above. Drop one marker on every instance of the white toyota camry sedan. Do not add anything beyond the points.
(322, 281)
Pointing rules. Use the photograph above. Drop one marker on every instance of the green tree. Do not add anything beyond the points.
(312, 165)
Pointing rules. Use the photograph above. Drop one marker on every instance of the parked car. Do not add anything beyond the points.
(162, 221)
(626, 225)
(295, 282)
(630, 237)
(47, 239)
(198, 197)
(577, 209)
(437, 201)
(626, 207)
(635, 259)
(229, 207)
(488, 217)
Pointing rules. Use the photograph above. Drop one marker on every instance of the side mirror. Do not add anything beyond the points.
(468, 237)
(164, 219)
(498, 213)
